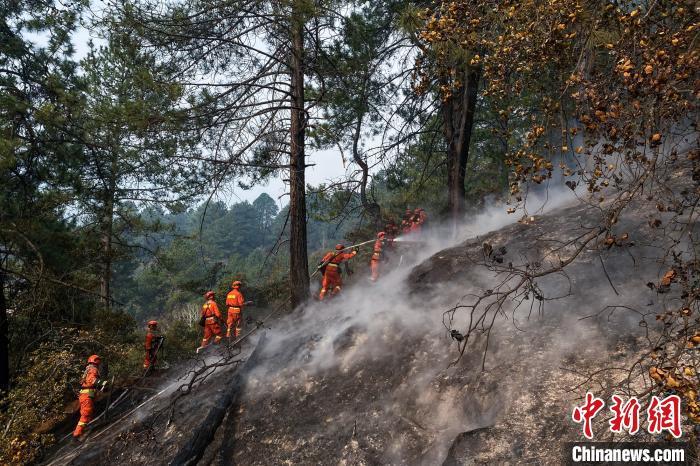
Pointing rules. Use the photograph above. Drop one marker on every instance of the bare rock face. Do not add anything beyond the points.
(465, 447)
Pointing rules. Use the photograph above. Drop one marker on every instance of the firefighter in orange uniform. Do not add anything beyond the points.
(376, 256)
(332, 281)
(211, 316)
(391, 232)
(416, 221)
(153, 341)
(423, 216)
(88, 388)
(235, 303)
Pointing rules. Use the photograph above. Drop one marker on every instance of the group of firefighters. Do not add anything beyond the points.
(212, 320)
(94, 376)
(332, 281)
(93, 379)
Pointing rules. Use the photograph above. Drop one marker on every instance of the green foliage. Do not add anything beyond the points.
(46, 379)
(213, 244)
(180, 335)
(417, 178)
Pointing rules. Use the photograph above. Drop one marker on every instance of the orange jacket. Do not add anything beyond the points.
(89, 380)
(377, 249)
(210, 309)
(235, 298)
(334, 259)
(150, 336)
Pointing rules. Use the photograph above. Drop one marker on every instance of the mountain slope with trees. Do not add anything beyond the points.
(115, 166)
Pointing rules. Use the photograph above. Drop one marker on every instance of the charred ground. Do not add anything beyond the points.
(375, 378)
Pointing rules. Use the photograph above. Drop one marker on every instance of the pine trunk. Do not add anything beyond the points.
(107, 234)
(298, 260)
(370, 207)
(458, 122)
(4, 339)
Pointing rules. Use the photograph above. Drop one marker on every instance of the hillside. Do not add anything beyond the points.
(374, 378)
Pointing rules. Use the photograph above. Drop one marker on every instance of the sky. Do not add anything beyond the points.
(327, 164)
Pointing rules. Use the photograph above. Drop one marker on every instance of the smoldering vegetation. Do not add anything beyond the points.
(374, 376)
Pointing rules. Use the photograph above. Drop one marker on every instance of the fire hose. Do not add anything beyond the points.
(325, 263)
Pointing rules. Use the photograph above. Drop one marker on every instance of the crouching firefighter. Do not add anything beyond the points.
(210, 320)
(153, 344)
(330, 268)
(235, 302)
(89, 385)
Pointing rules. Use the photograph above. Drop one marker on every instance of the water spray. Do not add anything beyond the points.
(403, 239)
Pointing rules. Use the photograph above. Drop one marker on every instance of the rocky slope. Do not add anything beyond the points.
(373, 377)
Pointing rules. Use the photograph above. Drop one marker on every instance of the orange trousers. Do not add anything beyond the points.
(374, 268)
(233, 322)
(87, 408)
(211, 329)
(147, 360)
(331, 283)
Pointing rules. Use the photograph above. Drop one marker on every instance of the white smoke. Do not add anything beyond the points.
(392, 326)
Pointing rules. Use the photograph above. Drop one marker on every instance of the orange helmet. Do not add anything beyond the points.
(152, 323)
(209, 295)
(339, 247)
(380, 235)
(236, 284)
(94, 359)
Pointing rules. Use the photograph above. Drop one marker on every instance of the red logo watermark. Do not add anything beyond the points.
(662, 415)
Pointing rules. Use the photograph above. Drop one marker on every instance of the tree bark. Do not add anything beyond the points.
(298, 259)
(4, 339)
(502, 169)
(458, 122)
(107, 233)
(372, 208)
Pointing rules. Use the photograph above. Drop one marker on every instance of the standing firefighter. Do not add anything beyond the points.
(235, 303)
(153, 342)
(210, 320)
(422, 216)
(330, 267)
(376, 256)
(416, 221)
(88, 388)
